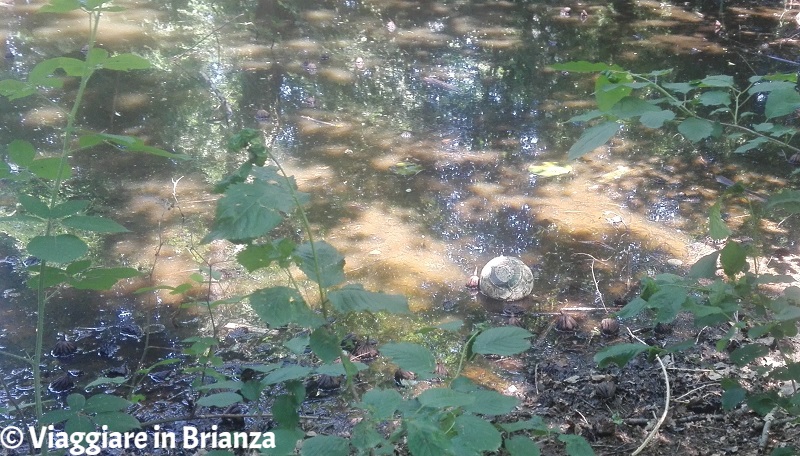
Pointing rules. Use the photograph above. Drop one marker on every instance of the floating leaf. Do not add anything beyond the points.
(504, 341)
(549, 169)
(63, 248)
(406, 169)
(411, 357)
(353, 298)
(94, 223)
(321, 262)
(593, 138)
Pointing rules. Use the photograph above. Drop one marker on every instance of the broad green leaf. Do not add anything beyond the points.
(763, 403)
(630, 107)
(344, 368)
(34, 205)
(284, 410)
(705, 267)
(680, 87)
(43, 73)
(256, 256)
(489, 402)
(411, 357)
(128, 144)
(325, 445)
(93, 223)
(224, 399)
(117, 421)
(750, 145)
(504, 341)
(285, 441)
(787, 200)
(583, 67)
(105, 403)
(76, 401)
(519, 445)
(101, 381)
(632, 308)
(549, 169)
(126, 62)
(720, 80)
(476, 434)
(47, 168)
(48, 277)
(535, 424)
(297, 344)
(717, 228)
(353, 298)
(444, 397)
(788, 313)
(279, 306)
(454, 325)
(715, 98)
(382, 404)
(767, 87)
(70, 207)
(57, 416)
(791, 371)
(102, 278)
(60, 6)
(576, 445)
(21, 152)
(667, 302)
(424, 438)
(733, 258)
(79, 423)
(656, 119)
(321, 262)
(587, 116)
(13, 89)
(63, 248)
(250, 210)
(733, 395)
(619, 354)
(287, 373)
(365, 438)
(608, 92)
(325, 344)
(748, 353)
(593, 138)
(696, 129)
(781, 102)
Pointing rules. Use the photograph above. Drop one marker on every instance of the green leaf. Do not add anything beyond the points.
(748, 353)
(102, 278)
(126, 62)
(576, 445)
(733, 258)
(607, 92)
(489, 402)
(411, 357)
(630, 107)
(789, 372)
(128, 144)
(79, 423)
(521, 446)
(716, 226)
(439, 398)
(221, 400)
(781, 102)
(325, 445)
(287, 373)
(43, 73)
(284, 410)
(70, 207)
(750, 145)
(721, 80)
(100, 381)
(452, 326)
(535, 424)
(619, 354)
(504, 340)
(63, 248)
(705, 267)
(117, 421)
(105, 403)
(297, 344)
(767, 87)
(76, 401)
(593, 138)
(382, 404)
(715, 98)
(57, 416)
(280, 306)
(365, 438)
(426, 439)
(21, 152)
(325, 344)
(475, 434)
(285, 441)
(656, 119)
(255, 257)
(346, 367)
(680, 87)
(587, 116)
(60, 6)
(250, 210)
(787, 200)
(734, 394)
(47, 168)
(788, 313)
(94, 223)
(321, 262)
(667, 301)
(353, 298)
(632, 308)
(583, 67)
(696, 129)
(763, 403)
(13, 89)
(34, 205)
(48, 277)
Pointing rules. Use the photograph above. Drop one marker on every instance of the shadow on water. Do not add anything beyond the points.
(351, 89)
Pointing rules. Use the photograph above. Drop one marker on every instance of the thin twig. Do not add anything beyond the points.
(762, 441)
(663, 417)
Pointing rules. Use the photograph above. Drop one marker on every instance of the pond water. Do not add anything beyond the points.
(411, 124)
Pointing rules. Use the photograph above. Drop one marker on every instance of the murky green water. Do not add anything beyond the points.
(457, 90)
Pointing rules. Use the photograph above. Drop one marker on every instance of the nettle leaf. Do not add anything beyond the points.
(259, 256)
(325, 344)
(48, 168)
(475, 434)
(519, 445)
(593, 138)
(748, 353)
(250, 210)
(705, 267)
(576, 445)
(297, 344)
(325, 445)
(667, 301)
(619, 354)
(717, 228)
(382, 404)
(426, 439)
(287, 373)
(769, 86)
(439, 398)
(126, 62)
(63, 248)
(94, 223)
(787, 200)
(411, 357)
(489, 402)
(781, 101)
(224, 399)
(656, 119)
(695, 129)
(279, 306)
(630, 107)
(679, 87)
(353, 298)
(715, 98)
(608, 92)
(733, 258)
(719, 80)
(791, 371)
(117, 421)
(535, 424)
(733, 395)
(750, 145)
(632, 308)
(321, 262)
(101, 278)
(504, 341)
(21, 152)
